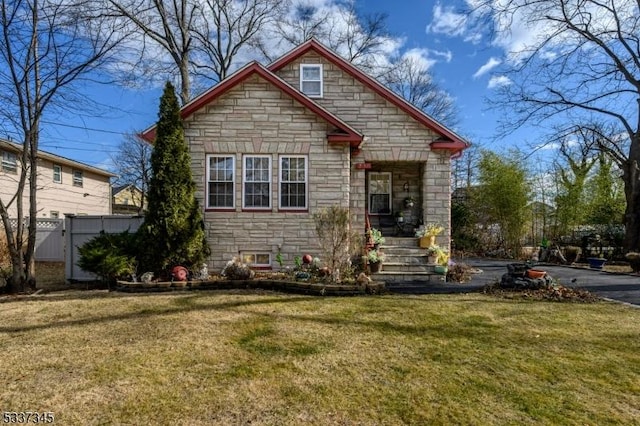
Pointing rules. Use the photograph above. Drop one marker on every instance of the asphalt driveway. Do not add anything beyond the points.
(620, 287)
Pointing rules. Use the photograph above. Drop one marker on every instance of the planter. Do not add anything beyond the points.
(535, 273)
(427, 240)
(432, 260)
(375, 267)
(440, 269)
(596, 262)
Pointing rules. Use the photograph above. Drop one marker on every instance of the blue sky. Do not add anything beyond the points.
(462, 61)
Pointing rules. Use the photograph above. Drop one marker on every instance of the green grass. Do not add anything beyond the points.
(236, 358)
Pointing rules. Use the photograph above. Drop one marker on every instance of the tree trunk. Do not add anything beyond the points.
(631, 179)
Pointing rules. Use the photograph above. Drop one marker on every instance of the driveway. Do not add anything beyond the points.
(620, 287)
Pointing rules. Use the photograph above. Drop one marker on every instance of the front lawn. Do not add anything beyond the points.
(227, 358)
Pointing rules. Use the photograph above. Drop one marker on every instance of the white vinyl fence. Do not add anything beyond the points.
(49, 239)
(80, 229)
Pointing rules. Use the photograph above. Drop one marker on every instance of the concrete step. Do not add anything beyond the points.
(401, 242)
(406, 259)
(396, 277)
(406, 267)
(407, 251)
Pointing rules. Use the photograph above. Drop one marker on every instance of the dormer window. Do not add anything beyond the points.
(311, 80)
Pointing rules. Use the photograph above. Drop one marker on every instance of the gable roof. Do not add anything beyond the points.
(56, 159)
(343, 134)
(449, 139)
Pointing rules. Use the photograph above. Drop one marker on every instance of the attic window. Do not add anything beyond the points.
(311, 80)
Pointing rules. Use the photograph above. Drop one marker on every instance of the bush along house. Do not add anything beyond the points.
(272, 145)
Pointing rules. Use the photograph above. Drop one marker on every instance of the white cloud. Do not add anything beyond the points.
(498, 81)
(447, 21)
(491, 64)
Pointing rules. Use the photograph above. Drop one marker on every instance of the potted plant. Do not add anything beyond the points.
(596, 262)
(376, 237)
(409, 202)
(437, 255)
(428, 233)
(399, 217)
(375, 259)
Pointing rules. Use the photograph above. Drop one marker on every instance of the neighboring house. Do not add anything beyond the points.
(271, 146)
(64, 186)
(127, 199)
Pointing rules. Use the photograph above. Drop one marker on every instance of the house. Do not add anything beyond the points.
(127, 199)
(272, 145)
(64, 186)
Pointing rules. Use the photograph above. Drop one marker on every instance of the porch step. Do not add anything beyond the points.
(410, 259)
(406, 267)
(393, 278)
(400, 242)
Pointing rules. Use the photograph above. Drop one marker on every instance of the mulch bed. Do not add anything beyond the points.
(555, 293)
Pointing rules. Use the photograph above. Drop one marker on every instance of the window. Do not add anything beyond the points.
(57, 173)
(260, 260)
(293, 182)
(311, 80)
(380, 193)
(9, 162)
(257, 182)
(221, 182)
(77, 178)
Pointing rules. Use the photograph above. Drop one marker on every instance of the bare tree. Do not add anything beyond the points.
(167, 24)
(359, 38)
(133, 165)
(227, 26)
(45, 47)
(413, 81)
(584, 63)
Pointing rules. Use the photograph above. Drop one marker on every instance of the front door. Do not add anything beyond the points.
(379, 193)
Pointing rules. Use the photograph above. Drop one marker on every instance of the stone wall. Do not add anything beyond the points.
(256, 118)
(390, 135)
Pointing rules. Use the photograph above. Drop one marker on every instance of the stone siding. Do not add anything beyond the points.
(390, 135)
(256, 118)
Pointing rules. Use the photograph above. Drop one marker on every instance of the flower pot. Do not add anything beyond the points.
(440, 269)
(375, 267)
(596, 262)
(432, 260)
(427, 240)
(535, 273)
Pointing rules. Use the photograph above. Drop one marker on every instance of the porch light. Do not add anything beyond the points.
(406, 186)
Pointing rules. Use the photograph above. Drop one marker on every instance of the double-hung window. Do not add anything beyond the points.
(311, 80)
(57, 173)
(77, 178)
(221, 182)
(9, 162)
(293, 182)
(256, 182)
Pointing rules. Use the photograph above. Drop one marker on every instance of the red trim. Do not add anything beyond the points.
(293, 211)
(265, 210)
(387, 94)
(455, 147)
(241, 75)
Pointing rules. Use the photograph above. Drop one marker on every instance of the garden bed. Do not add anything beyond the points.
(319, 289)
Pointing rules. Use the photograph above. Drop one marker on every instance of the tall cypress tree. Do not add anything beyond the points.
(173, 230)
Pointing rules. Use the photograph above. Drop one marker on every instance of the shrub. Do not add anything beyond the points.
(459, 273)
(337, 241)
(110, 256)
(236, 270)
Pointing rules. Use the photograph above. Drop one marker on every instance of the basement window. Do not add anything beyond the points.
(257, 259)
